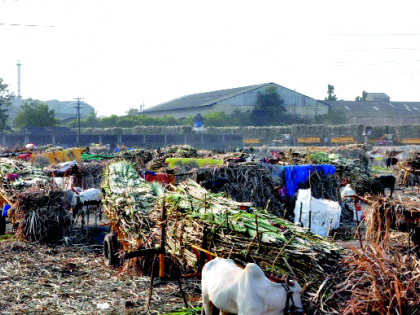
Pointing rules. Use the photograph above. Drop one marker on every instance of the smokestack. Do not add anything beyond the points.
(18, 64)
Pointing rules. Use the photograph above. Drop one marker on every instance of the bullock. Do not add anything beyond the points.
(391, 162)
(80, 200)
(246, 291)
(383, 182)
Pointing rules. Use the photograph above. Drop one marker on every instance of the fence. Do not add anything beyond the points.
(204, 141)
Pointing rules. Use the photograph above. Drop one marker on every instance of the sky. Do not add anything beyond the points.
(117, 54)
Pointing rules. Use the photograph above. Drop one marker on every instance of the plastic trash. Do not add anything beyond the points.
(102, 306)
(322, 212)
(116, 150)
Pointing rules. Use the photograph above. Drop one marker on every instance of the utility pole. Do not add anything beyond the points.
(78, 109)
(18, 83)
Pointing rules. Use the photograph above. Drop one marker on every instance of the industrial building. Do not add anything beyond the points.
(242, 98)
(379, 110)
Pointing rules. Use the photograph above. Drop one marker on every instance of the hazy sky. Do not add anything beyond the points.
(118, 53)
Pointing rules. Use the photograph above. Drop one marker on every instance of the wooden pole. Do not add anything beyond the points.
(149, 296)
(178, 279)
(268, 205)
(310, 219)
(357, 222)
(205, 203)
(203, 245)
(329, 228)
(162, 241)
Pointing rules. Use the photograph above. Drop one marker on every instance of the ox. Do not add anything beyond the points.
(80, 201)
(383, 182)
(391, 162)
(246, 291)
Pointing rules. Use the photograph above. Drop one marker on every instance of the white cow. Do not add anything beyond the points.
(78, 199)
(246, 291)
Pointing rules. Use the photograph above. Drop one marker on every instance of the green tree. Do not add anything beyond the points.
(5, 98)
(269, 108)
(331, 95)
(270, 100)
(132, 111)
(362, 98)
(33, 113)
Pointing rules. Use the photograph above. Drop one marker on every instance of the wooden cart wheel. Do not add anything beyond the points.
(111, 246)
(2, 225)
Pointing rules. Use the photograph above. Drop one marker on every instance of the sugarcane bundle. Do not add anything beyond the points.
(139, 156)
(383, 213)
(40, 214)
(91, 174)
(252, 235)
(20, 174)
(127, 202)
(246, 182)
(175, 151)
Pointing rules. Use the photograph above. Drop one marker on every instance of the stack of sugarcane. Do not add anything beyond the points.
(246, 182)
(139, 156)
(383, 213)
(40, 214)
(127, 202)
(175, 151)
(19, 174)
(201, 221)
(91, 174)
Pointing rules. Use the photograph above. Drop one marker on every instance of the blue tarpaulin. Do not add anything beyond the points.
(296, 174)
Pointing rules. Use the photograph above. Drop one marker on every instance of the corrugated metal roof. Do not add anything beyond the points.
(378, 95)
(203, 99)
(378, 109)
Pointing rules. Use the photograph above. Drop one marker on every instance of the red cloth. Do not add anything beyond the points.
(25, 156)
(159, 177)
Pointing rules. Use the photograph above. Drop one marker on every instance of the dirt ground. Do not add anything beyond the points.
(73, 279)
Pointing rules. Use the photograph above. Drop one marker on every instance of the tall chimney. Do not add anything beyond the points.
(18, 64)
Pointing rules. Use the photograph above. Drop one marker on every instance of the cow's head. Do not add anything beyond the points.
(293, 300)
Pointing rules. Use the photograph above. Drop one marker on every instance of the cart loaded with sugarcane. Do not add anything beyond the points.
(186, 225)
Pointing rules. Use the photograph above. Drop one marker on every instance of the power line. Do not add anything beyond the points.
(30, 25)
(380, 77)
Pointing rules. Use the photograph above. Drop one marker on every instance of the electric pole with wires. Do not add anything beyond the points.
(78, 99)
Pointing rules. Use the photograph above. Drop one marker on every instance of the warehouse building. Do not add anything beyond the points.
(242, 98)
